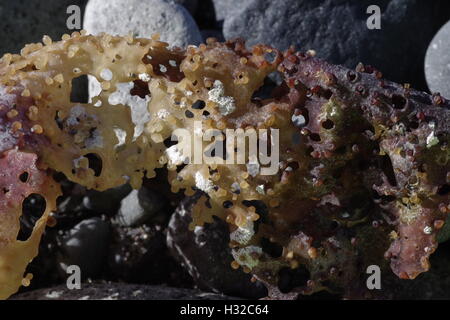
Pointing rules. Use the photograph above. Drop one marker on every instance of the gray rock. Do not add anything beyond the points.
(206, 255)
(138, 207)
(140, 255)
(85, 245)
(118, 291)
(337, 31)
(106, 202)
(437, 62)
(142, 18)
(23, 22)
(227, 8)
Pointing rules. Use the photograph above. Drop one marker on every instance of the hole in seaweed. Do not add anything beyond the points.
(272, 249)
(443, 190)
(95, 163)
(413, 125)
(58, 121)
(79, 89)
(264, 92)
(309, 150)
(294, 165)
(386, 165)
(227, 204)
(33, 207)
(327, 94)
(328, 124)
(387, 198)
(398, 102)
(140, 89)
(198, 105)
(169, 142)
(352, 76)
(24, 177)
(341, 150)
(189, 114)
(289, 279)
(260, 206)
(334, 225)
(314, 137)
(270, 56)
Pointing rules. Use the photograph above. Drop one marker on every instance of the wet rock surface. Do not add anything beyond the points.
(206, 255)
(86, 246)
(118, 291)
(140, 255)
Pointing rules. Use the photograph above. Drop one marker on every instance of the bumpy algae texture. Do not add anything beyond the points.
(363, 174)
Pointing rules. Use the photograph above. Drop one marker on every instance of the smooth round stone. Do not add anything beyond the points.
(337, 30)
(437, 62)
(143, 18)
(85, 245)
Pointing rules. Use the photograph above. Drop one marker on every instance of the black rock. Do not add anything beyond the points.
(140, 255)
(23, 22)
(338, 32)
(118, 291)
(206, 255)
(106, 202)
(205, 16)
(85, 245)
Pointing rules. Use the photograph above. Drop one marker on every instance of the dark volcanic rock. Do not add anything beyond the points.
(86, 246)
(23, 22)
(118, 291)
(337, 31)
(140, 255)
(206, 255)
(106, 202)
